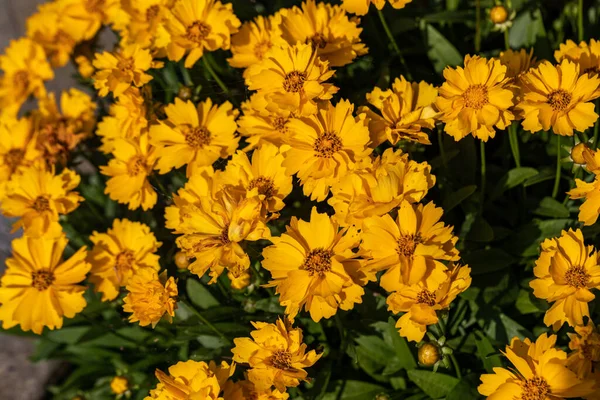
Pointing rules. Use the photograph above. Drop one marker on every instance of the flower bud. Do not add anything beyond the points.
(498, 14)
(181, 260)
(577, 153)
(184, 93)
(119, 385)
(428, 354)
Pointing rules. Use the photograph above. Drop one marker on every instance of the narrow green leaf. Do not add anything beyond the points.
(513, 328)
(400, 345)
(486, 352)
(70, 335)
(376, 348)
(200, 295)
(455, 198)
(355, 390)
(434, 384)
(441, 52)
(550, 207)
(513, 178)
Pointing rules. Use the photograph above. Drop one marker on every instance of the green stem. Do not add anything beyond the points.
(388, 32)
(205, 321)
(343, 337)
(456, 366)
(185, 73)
(514, 144)
(506, 40)
(483, 173)
(477, 26)
(557, 177)
(580, 20)
(441, 145)
(214, 75)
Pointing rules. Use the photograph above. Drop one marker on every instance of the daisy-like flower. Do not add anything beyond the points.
(475, 99)
(404, 111)
(590, 192)
(129, 170)
(119, 70)
(539, 372)
(39, 289)
(37, 197)
(334, 36)
(421, 301)
(259, 125)
(587, 56)
(585, 349)
(291, 78)
(517, 63)
(82, 19)
(276, 355)
(194, 135)
(558, 97)
(117, 254)
(151, 297)
(245, 389)
(410, 248)
(361, 7)
(46, 28)
(381, 187)
(319, 273)
(192, 380)
(326, 146)
(199, 25)
(147, 24)
(264, 176)
(566, 271)
(17, 147)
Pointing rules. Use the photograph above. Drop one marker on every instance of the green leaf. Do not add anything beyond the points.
(481, 231)
(529, 304)
(434, 384)
(354, 390)
(441, 52)
(513, 328)
(376, 348)
(513, 178)
(545, 174)
(455, 198)
(486, 352)
(200, 295)
(466, 389)
(69, 335)
(484, 261)
(526, 28)
(527, 239)
(550, 207)
(400, 346)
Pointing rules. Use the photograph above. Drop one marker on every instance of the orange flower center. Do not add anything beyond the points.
(13, 159)
(407, 244)
(327, 144)
(42, 279)
(225, 235)
(281, 359)
(198, 31)
(136, 165)
(318, 261)
(152, 12)
(592, 70)
(124, 260)
(318, 41)
(476, 96)
(559, 100)
(280, 124)
(577, 277)
(294, 81)
(41, 204)
(261, 48)
(197, 137)
(265, 186)
(535, 388)
(21, 79)
(125, 64)
(426, 297)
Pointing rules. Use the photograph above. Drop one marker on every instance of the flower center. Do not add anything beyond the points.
(280, 124)
(318, 261)
(281, 359)
(426, 297)
(318, 41)
(476, 96)
(407, 244)
(265, 186)
(559, 99)
(535, 388)
(294, 81)
(41, 204)
(152, 12)
(261, 48)
(327, 144)
(95, 5)
(592, 70)
(225, 235)
(577, 277)
(197, 32)
(125, 64)
(124, 260)
(13, 159)
(136, 165)
(42, 279)
(21, 79)
(197, 137)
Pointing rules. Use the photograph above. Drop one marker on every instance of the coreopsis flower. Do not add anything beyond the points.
(192, 380)
(557, 97)
(420, 301)
(82, 19)
(39, 289)
(590, 192)
(127, 119)
(84, 66)
(239, 277)
(334, 36)
(517, 63)
(25, 69)
(475, 99)
(60, 130)
(129, 170)
(410, 248)
(196, 26)
(146, 25)
(263, 175)
(276, 355)
(587, 56)
(404, 111)
(290, 79)
(259, 125)
(119, 385)
(194, 135)
(119, 253)
(37, 197)
(319, 273)
(243, 390)
(326, 146)
(119, 70)
(585, 349)
(361, 7)
(566, 271)
(151, 297)
(17, 147)
(539, 372)
(46, 28)
(213, 230)
(380, 188)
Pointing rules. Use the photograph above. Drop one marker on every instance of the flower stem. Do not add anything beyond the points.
(477, 26)
(514, 144)
(214, 75)
(441, 145)
(506, 40)
(483, 172)
(388, 32)
(456, 366)
(580, 20)
(557, 177)
(205, 321)
(185, 73)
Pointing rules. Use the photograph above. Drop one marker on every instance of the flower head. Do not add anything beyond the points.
(361, 7)
(585, 349)
(259, 125)
(17, 147)
(590, 192)
(587, 56)
(151, 296)
(242, 390)
(147, 24)
(119, 385)
(83, 18)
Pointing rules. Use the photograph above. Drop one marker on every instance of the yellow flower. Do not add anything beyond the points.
(475, 99)
(192, 380)
(587, 56)
(421, 300)
(243, 390)
(381, 187)
(119, 385)
(404, 111)
(276, 355)
(126, 66)
(265, 176)
(38, 288)
(517, 62)
(318, 272)
(45, 27)
(590, 192)
(147, 24)
(557, 97)
(37, 197)
(361, 7)
(151, 296)
(17, 147)
(82, 19)
(585, 346)
(291, 80)
(539, 372)
(324, 147)
(84, 66)
(25, 69)
(332, 34)
(240, 278)
(259, 125)
(566, 271)
(194, 135)
(129, 171)
(199, 25)
(119, 253)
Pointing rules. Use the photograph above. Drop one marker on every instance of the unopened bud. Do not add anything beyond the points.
(498, 14)
(428, 354)
(577, 153)
(181, 260)
(185, 93)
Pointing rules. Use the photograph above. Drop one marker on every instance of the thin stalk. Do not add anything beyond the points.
(185, 73)
(477, 26)
(388, 32)
(557, 177)
(456, 366)
(214, 75)
(506, 40)
(513, 139)
(441, 145)
(580, 32)
(483, 173)
(205, 321)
